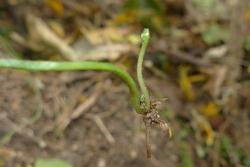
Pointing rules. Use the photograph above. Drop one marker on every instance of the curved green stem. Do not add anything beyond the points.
(73, 66)
(145, 94)
(140, 106)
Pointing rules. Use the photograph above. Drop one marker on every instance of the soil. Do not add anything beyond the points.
(82, 142)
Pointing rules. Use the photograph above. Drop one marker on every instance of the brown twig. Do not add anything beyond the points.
(186, 58)
(147, 135)
(182, 56)
(103, 129)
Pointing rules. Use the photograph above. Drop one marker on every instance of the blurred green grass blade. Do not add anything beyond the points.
(186, 155)
(51, 163)
(226, 147)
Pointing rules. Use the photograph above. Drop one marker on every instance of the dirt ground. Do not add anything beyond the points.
(106, 133)
(197, 58)
(83, 142)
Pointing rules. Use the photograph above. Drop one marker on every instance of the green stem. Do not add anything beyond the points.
(143, 87)
(74, 66)
(95, 66)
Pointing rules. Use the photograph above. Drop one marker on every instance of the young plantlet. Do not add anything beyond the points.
(150, 113)
(144, 98)
(140, 100)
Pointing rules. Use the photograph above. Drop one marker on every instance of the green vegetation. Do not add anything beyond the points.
(51, 163)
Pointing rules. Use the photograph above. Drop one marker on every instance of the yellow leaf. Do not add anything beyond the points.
(247, 15)
(208, 132)
(210, 110)
(200, 122)
(56, 6)
(185, 83)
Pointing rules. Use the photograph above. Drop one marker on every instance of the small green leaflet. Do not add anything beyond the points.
(51, 163)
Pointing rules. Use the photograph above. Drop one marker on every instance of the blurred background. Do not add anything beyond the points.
(198, 57)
